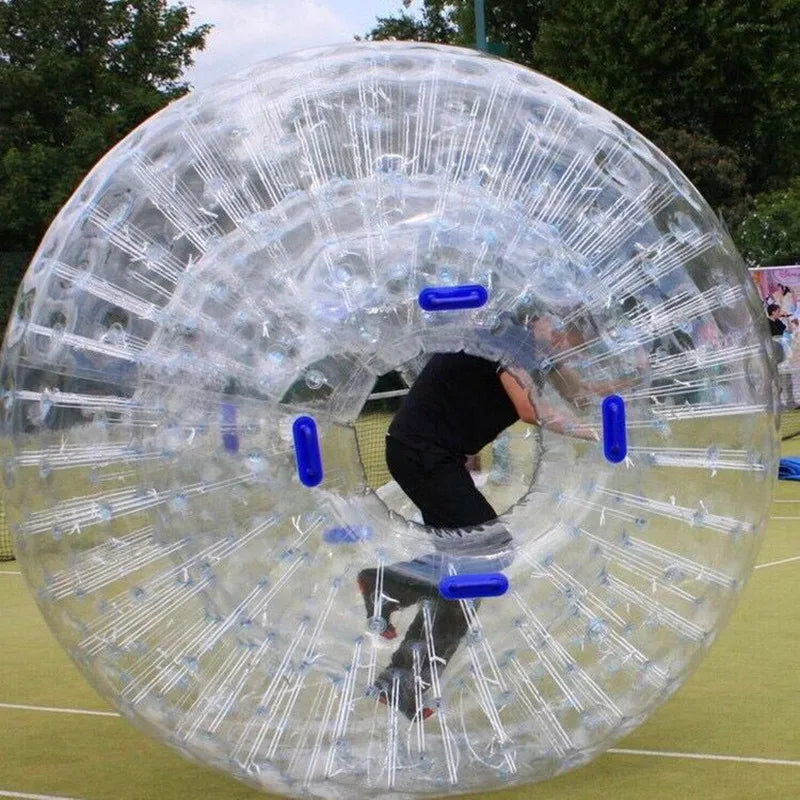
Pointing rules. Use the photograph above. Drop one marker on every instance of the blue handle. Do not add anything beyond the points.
(461, 587)
(230, 438)
(347, 534)
(615, 443)
(306, 448)
(450, 298)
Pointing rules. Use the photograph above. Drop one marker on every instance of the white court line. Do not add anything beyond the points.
(784, 517)
(782, 762)
(775, 563)
(616, 750)
(26, 796)
(9, 572)
(18, 707)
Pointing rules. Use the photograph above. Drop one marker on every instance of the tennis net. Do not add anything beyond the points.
(790, 423)
(6, 553)
(371, 427)
(789, 384)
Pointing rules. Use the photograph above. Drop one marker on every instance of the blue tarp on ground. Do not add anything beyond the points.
(789, 469)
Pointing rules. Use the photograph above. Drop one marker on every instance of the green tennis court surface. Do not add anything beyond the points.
(732, 732)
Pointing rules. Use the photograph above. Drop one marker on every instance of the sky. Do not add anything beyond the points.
(246, 31)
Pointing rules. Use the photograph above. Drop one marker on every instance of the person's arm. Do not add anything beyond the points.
(573, 388)
(543, 414)
(580, 392)
(520, 398)
(566, 424)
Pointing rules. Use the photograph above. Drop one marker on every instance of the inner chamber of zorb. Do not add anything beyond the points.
(254, 254)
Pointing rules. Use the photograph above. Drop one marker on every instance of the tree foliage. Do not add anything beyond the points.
(770, 232)
(715, 168)
(511, 23)
(438, 23)
(725, 71)
(714, 83)
(75, 77)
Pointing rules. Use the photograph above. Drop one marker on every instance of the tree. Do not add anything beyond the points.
(438, 23)
(713, 83)
(75, 77)
(513, 24)
(723, 71)
(770, 232)
(716, 169)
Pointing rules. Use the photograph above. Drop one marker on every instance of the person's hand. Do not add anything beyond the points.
(558, 422)
(642, 360)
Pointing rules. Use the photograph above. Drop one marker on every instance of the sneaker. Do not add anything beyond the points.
(366, 585)
(406, 696)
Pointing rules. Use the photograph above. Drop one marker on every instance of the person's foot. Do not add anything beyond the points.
(386, 686)
(366, 585)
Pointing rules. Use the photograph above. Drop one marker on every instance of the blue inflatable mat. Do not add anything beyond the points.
(789, 469)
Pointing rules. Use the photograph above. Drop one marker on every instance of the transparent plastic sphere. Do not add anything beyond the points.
(254, 254)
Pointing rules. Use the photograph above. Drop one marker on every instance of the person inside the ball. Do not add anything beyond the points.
(459, 404)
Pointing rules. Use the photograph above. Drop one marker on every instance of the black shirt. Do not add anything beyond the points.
(776, 327)
(457, 403)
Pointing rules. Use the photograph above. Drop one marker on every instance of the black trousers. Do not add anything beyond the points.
(441, 487)
(439, 484)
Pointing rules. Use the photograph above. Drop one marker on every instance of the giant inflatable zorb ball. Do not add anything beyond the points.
(198, 333)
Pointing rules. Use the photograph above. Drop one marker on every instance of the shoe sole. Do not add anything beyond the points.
(390, 632)
(427, 712)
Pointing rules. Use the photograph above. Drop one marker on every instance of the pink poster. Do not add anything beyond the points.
(779, 288)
